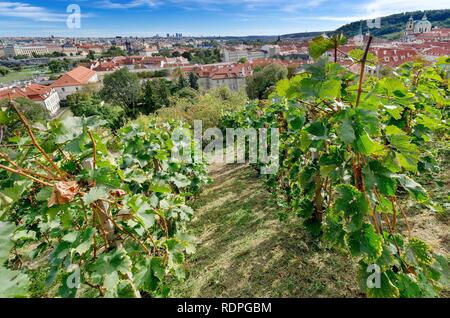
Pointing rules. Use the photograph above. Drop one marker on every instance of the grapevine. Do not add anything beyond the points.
(351, 144)
(102, 214)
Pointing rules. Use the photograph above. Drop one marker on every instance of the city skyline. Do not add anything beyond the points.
(106, 18)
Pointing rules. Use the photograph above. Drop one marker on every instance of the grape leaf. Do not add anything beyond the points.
(13, 284)
(95, 194)
(6, 232)
(365, 242)
(346, 132)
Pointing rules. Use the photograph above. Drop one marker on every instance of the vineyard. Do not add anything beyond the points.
(86, 211)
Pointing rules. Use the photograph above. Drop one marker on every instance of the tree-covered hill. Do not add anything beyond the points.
(396, 23)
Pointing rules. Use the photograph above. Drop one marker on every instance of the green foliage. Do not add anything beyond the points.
(13, 283)
(320, 45)
(154, 74)
(193, 81)
(88, 104)
(9, 121)
(59, 66)
(204, 56)
(122, 87)
(393, 24)
(262, 83)
(344, 165)
(91, 55)
(114, 51)
(4, 71)
(156, 95)
(182, 83)
(208, 107)
(243, 60)
(106, 212)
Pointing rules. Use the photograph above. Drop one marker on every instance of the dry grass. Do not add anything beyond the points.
(245, 251)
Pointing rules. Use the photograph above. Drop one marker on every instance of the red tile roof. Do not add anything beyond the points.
(78, 76)
(218, 72)
(104, 66)
(437, 51)
(34, 92)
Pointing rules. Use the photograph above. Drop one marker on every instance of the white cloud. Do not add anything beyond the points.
(276, 5)
(379, 8)
(28, 11)
(25, 10)
(386, 7)
(108, 4)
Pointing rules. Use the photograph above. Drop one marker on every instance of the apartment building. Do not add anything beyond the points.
(231, 76)
(234, 55)
(43, 95)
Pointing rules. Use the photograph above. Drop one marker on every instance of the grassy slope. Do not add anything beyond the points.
(245, 251)
(24, 75)
(17, 76)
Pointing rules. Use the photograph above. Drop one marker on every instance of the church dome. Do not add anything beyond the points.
(422, 26)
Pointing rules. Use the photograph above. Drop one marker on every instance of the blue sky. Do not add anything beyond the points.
(195, 17)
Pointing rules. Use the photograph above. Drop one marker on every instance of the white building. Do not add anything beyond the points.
(15, 50)
(148, 51)
(69, 49)
(271, 50)
(43, 95)
(235, 55)
(232, 76)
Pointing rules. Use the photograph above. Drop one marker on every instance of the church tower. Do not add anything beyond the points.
(410, 26)
(359, 38)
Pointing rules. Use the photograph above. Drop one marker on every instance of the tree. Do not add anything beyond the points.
(292, 71)
(4, 71)
(21, 57)
(193, 81)
(55, 66)
(205, 56)
(156, 95)
(261, 84)
(115, 51)
(122, 87)
(188, 93)
(243, 60)
(58, 66)
(91, 55)
(153, 74)
(187, 55)
(182, 82)
(209, 107)
(87, 104)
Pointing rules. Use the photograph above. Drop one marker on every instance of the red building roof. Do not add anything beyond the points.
(76, 77)
(34, 92)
